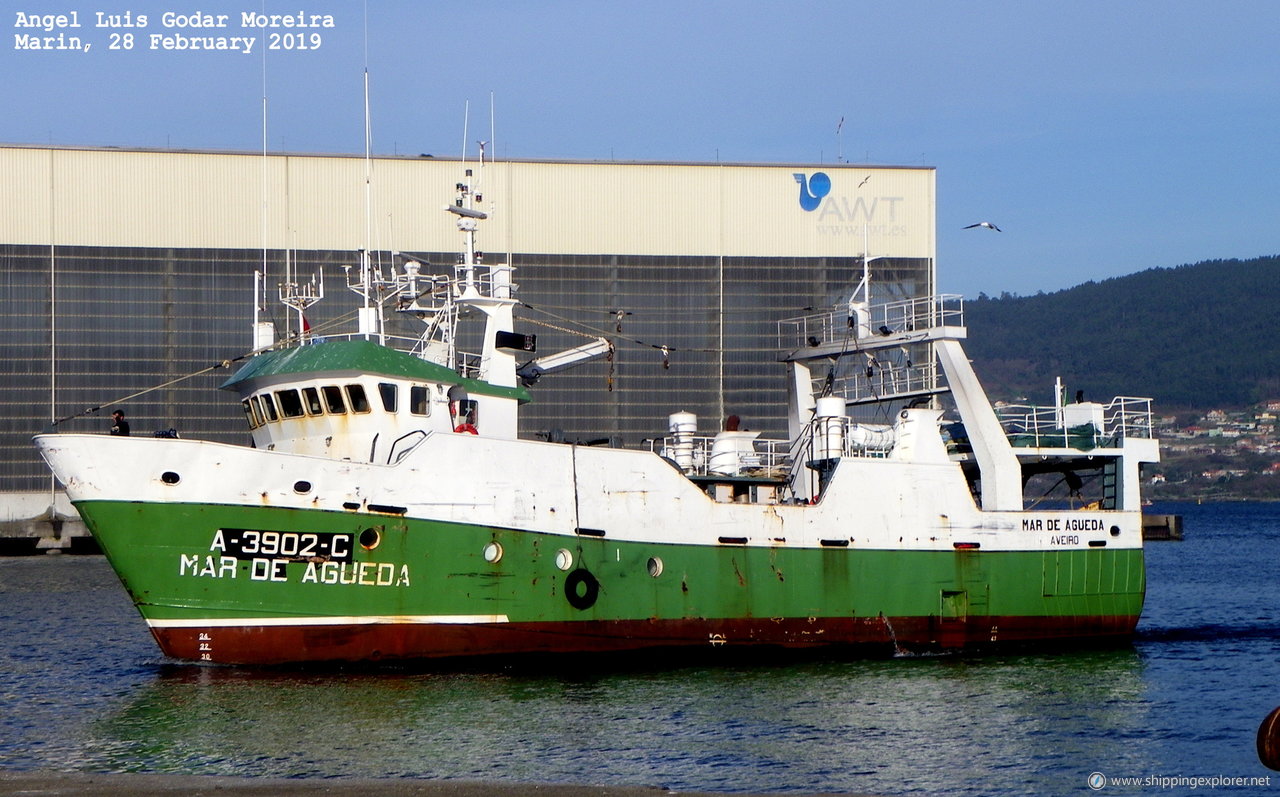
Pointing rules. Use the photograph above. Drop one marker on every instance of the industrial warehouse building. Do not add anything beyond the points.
(128, 274)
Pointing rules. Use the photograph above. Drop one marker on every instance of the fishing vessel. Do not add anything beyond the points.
(388, 508)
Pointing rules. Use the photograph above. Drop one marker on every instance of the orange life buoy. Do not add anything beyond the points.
(466, 427)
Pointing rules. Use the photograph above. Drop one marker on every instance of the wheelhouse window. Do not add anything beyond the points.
(290, 403)
(356, 398)
(251, 413)
(311, 397)
(333, 399)
(388, 393)
(419, 400)
(468, 412)
(268, 407)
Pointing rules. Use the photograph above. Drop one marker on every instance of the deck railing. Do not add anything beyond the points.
(824, 439)
(766, 458)
(886, 381)
(1079, 426)
(905, 315)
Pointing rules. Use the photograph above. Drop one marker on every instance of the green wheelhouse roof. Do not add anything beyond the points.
(353, 357)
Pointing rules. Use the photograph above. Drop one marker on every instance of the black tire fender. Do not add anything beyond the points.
(581, 589)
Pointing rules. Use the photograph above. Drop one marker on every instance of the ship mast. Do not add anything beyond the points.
(299, 295)
(370, 314)
(490, 292)
(860, 308)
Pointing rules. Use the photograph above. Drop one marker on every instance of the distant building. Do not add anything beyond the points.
(129, 269)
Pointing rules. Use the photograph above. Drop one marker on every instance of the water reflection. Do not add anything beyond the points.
(83, 687)
(904, 725)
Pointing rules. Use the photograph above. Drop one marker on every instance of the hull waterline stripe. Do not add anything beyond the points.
(392, 619)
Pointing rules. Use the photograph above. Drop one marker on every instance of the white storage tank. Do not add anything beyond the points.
(829, 434)
(683, 426)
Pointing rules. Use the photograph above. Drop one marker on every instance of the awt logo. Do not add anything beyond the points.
(812, 189)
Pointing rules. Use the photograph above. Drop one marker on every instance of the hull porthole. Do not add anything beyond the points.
(581, 589)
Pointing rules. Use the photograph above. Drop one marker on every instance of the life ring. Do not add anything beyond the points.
(467, 428)
(581, 589)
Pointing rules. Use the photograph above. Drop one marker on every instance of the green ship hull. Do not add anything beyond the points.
(268, 585)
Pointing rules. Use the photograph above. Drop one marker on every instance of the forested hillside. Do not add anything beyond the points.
(1198, 336)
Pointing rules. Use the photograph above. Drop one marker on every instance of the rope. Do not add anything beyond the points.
(566, 330)
(289, 341)
(145, 391)
(671, 311)
(665, 348)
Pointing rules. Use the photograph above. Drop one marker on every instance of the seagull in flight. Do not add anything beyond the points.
(986, 224)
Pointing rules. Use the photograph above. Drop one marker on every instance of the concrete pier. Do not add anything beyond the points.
(41, 522)
(62, 783)
(1162, 527)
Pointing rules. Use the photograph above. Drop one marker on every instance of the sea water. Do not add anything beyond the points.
(83, 688)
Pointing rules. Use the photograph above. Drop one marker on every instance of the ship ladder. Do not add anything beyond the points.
(1110, 484)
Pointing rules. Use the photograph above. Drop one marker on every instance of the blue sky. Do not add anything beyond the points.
(1103, 138)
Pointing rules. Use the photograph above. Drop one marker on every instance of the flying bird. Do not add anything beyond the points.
(986, 224)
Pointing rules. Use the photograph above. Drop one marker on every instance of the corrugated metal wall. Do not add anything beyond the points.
(123, 270)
